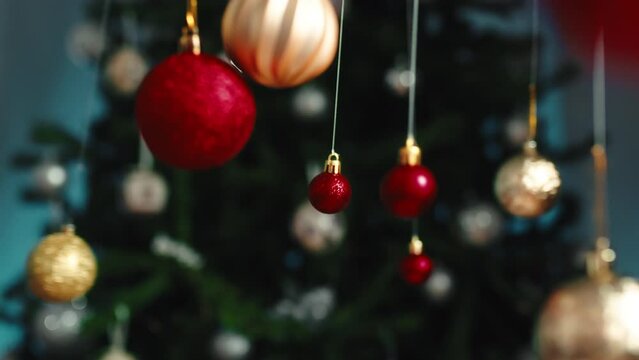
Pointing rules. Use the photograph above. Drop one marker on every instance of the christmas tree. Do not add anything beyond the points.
(236, 264)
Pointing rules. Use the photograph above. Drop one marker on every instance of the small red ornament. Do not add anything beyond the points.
(330, 191)
(409, 188)
(195, 111)
(416, 267)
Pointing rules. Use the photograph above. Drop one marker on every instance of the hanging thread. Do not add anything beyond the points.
(339, 69)
(534, 70)
(106, 9)
(410, 136)
(599, 148)
(600, 259)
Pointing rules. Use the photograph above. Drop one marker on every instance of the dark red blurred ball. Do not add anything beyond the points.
(329, 193)
(416, 268)
(407, 190)
(580, 22)
(195, 111)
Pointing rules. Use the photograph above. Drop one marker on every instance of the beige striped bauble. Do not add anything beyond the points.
(281, 43)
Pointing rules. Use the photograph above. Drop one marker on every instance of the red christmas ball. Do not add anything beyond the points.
(195, 111)
(407, 190)
(329, 192)
(416, 268)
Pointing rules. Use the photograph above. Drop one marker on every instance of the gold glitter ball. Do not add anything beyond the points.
(527, 185)
(62, 267)
(591, 320)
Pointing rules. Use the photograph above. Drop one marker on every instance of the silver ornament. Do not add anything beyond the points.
(125, 70)
(230, 346)
(315, 231)
(480, 224)
(309, 102)
(85, 43)
(439, 285)
(58, 325)
(49, 177)
(145, 192)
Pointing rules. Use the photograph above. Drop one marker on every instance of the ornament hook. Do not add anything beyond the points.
(333, 165)
(415, 247)
(410, 154)
(190, 40)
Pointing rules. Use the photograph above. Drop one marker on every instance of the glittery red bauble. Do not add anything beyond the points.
(416, 268)
(195, 111)
(408, 190)
(329, 193)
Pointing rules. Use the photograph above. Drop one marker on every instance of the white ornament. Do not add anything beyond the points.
(516, 130)
(117, 353)
(439, 285)
(480, 224)
(125, 70)
(309, 102)
(316, 231)
(399, 79)
(85, 43)
(145, 192)
(49, 177)
(230, 346)
(59, 325)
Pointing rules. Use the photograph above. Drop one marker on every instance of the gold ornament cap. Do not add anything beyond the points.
(333, 165)
(415, 247)
(530, 148)
(410, 154)
(190, 39)
(599, 261)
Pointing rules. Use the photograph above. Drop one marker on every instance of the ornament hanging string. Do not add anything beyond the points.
(145, 158)
(90, 102)
(339, 69)
(106, 9)
(600, 259)
(410, 136)
(599, 147)
(534, 71)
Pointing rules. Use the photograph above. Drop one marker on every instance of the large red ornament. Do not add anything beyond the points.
(195, 111)
(580, 22)
(416, 267)
(409, 188)
(329, 192)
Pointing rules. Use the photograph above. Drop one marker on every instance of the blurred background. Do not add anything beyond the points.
(236, 264)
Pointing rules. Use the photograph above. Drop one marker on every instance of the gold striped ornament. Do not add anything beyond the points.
(281, 43)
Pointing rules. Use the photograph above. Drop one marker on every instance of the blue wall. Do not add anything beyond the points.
(37, 81)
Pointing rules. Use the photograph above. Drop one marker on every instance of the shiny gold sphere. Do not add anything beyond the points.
(591, 320)
(527, 185)
(281, 43)
(62, 267)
